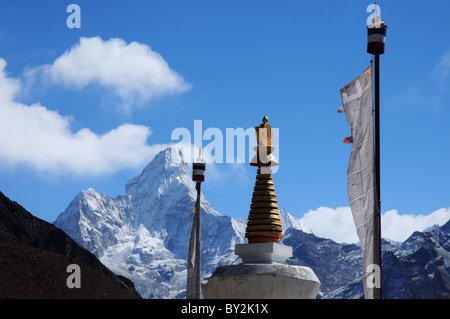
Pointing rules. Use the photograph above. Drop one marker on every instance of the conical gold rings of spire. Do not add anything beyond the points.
(264, 224)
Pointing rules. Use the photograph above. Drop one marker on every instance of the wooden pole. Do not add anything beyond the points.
(378, 292)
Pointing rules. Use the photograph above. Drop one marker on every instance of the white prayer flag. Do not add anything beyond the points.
(357, 100)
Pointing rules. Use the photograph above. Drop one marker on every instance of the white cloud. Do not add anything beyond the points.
(42, 139)
(338, 224)
(133, 71)
(443, 67)
(441, 72)
(400, 227)
(430, 92)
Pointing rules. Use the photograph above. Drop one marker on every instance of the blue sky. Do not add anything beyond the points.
(89, 107)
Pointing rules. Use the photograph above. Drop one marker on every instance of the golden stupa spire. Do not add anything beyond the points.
(264, 223)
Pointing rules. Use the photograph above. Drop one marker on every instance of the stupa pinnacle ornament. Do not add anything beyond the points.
(264, 223)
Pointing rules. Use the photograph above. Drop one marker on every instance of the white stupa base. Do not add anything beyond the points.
(262, 275)
(262, 281)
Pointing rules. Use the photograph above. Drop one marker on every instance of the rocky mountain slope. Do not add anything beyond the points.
(34, 256)
(418, 268)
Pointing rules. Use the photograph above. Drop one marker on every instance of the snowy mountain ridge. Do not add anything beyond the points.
(144, 236)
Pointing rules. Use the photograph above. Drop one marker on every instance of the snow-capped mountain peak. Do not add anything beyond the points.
(159, 174)
(144, 235)
(95, 220)
(288, 221)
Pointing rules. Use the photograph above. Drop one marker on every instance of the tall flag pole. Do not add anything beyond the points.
(363, 175)
(193, 271)
(376, 39)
